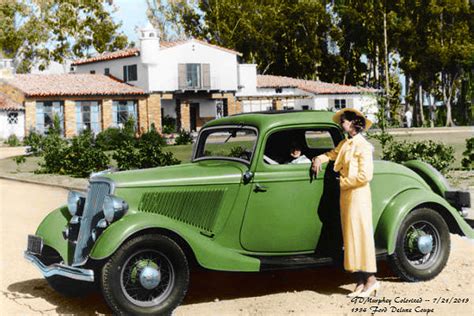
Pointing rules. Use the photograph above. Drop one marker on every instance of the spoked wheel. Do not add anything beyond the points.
(147, 278)
(423, 246)
(147, 275)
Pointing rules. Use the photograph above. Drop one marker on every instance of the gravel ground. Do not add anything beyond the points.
(302, 292)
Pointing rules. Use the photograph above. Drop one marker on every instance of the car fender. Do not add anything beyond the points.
(396, 210)
(209, 254)
(51, 228)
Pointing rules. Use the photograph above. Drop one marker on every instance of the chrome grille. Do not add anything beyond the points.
(92, 214)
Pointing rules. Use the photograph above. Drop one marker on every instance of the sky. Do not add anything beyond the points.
(131, 13)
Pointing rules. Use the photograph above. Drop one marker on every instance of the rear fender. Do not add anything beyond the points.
(394, 213)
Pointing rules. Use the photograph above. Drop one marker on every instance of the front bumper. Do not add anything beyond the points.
(60, 269)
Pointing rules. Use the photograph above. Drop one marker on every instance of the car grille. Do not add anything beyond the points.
(92, 214)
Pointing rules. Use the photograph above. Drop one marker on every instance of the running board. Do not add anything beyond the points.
(301, 261)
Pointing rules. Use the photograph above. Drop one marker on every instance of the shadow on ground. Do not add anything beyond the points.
(205, 287)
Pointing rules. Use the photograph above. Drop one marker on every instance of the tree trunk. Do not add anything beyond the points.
(420, 98)
(447, 99)
(387, 68)
(430, 104)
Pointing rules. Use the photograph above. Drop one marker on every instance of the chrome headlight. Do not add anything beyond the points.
(114, 208)
(73, 202)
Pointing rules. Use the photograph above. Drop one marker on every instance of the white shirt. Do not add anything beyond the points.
(301, 159)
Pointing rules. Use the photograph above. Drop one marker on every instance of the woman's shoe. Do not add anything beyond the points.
(356, 292)
(373, 288)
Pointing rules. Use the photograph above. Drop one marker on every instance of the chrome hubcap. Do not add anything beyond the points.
(425, 244)
(150, 278)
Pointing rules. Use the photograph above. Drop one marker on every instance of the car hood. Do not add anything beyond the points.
(196, 173)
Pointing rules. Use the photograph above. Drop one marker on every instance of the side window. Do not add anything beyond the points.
(297, 145)
(319, 139)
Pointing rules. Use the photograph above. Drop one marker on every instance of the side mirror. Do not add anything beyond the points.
(248, 175)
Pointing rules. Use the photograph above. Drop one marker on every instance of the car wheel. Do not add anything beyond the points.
(69, 287)
(422, 246)
(149, 274)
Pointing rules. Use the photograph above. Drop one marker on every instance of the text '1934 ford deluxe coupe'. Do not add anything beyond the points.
(239, 205)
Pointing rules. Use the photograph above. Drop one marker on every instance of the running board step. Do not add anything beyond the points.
(301, 261)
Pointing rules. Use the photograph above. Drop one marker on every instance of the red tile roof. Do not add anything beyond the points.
(312, 86)
(136, 51)
(37, 85)
(8, 104)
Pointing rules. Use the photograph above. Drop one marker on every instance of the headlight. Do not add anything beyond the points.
(114, 208)
(74, 202)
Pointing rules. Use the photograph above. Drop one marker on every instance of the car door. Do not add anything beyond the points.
(283, 210)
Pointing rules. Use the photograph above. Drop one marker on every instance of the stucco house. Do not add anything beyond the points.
(184, 83)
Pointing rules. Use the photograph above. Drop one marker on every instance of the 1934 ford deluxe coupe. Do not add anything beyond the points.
(239, 205)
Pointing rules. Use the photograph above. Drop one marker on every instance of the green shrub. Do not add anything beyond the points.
(468, 160)
(35, 142)
(79, 159)
(13, 141)
(113, 137)
(145, 153)
(183, 138)
(436, 154)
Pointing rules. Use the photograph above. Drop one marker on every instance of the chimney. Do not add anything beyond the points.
(6, 68)
(149, 44)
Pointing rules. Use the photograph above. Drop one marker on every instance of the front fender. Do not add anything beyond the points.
(208, 252)
(51, 229)
(401, 205)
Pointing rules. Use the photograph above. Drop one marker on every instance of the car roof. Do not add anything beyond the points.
(268, 119)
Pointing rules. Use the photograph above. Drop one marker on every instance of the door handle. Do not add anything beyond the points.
(260, 188)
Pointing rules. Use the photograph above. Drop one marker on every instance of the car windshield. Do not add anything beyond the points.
(236, 143)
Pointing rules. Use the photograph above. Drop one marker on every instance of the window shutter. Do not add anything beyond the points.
(206, 76)
(331, 104)
(125, 73)
(350, 103)
(182, 76)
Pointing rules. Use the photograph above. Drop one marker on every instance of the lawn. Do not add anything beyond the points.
(183, 152)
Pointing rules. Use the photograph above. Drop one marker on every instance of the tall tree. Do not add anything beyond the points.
(283, 37)
(39, 31)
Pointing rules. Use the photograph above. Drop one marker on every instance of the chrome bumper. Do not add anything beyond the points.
(61, 269)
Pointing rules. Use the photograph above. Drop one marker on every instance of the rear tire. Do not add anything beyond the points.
(148, 275)
(416, 258)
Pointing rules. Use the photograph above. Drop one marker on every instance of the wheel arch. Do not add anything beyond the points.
(405, 202)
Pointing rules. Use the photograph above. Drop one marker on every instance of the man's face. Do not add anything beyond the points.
(295, 152)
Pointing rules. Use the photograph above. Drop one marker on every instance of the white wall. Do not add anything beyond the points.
(247, 76)
(116, 69)
(8, 129)
(223, 66)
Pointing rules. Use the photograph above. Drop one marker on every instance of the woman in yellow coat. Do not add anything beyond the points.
(354, 161)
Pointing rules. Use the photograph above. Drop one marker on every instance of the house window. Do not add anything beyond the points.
(45, 112)
(122, 111)
(130, 73)
(339, 104)
(88, 116)
(92, 72)
(107, 71)
(305, 107)
(12, 118)
(193, 75)
(278, 90)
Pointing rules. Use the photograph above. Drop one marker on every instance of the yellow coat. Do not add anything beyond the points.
(354, 161)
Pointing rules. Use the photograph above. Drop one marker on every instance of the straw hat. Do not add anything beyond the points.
(337, 115)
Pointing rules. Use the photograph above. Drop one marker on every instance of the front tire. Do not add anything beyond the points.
(148, 275)
(422, 246)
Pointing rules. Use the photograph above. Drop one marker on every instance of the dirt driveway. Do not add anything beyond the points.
(306, 292)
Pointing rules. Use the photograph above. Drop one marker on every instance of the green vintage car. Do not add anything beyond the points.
(240, 205)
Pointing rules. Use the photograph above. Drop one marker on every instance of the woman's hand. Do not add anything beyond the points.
(316, 165)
